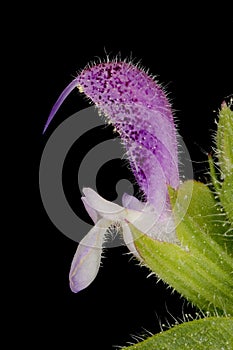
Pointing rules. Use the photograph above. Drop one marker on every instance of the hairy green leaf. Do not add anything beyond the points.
(224, 140)
(213, 333)
(199, 268)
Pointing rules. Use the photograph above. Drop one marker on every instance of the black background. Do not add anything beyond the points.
(189, 52)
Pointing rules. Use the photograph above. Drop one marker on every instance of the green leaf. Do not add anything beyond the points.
(195, 209)
(224, 140)
(214, 178)
(199, 268)
(203, 227)
(213, 333)
(226, 197)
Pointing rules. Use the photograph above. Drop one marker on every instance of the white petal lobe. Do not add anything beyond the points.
(86, 261)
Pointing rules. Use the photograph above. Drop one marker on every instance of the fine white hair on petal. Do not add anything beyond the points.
(128, 239)
(86, 261)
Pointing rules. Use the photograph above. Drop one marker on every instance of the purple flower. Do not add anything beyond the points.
(136, 105)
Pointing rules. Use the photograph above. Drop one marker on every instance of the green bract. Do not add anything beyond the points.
(226, 197)
(224, 140)
(199, 268)
(209, 333)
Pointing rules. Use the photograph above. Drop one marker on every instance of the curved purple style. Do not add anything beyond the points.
(59, 102)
